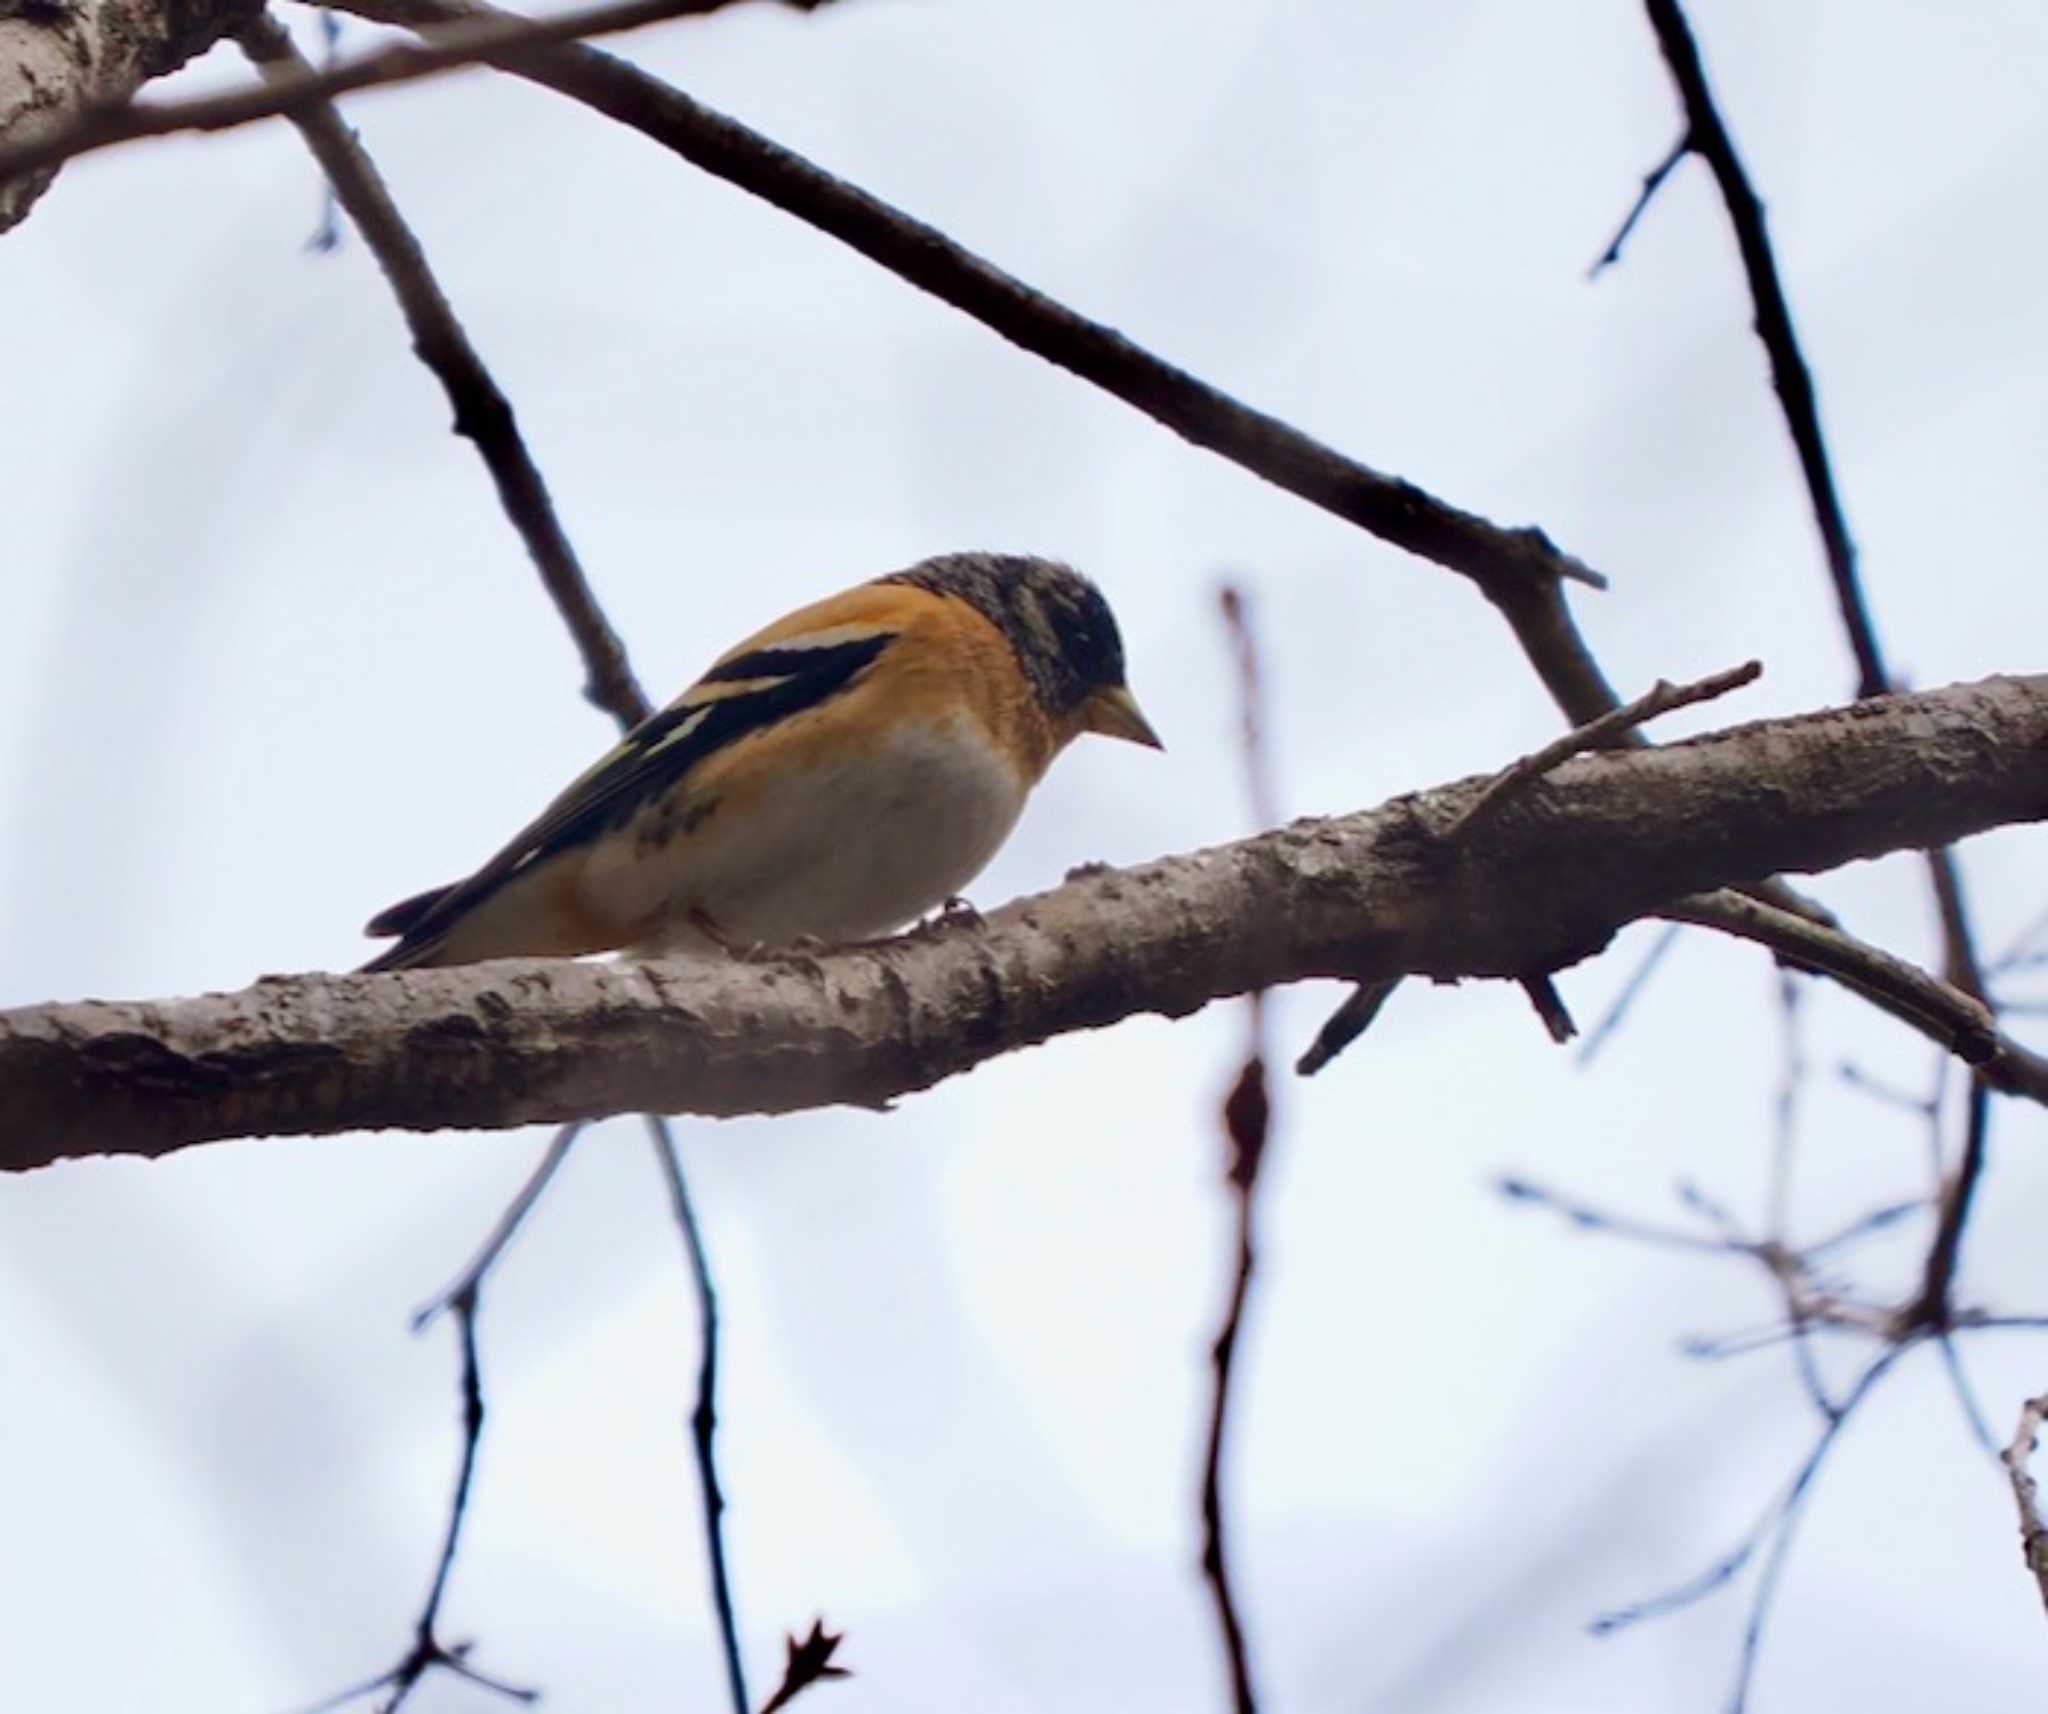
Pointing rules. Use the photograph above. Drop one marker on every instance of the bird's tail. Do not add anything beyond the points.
(402, 919)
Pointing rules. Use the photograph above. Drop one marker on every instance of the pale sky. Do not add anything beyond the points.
(273, 658)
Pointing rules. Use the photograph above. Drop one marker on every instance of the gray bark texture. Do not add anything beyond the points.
(59, 58)
(1542, 882)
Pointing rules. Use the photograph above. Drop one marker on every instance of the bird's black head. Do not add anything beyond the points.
(1061, 629)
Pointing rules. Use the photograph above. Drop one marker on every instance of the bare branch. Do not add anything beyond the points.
(1247, 1126)
(1352, 1018)
(1962, 1025)
(1247, 1118)
(1618, 724)
(704, 1418)
(1707, 137)
(427, 1652)
(1549, 1007)
(1933, 1307)
(1607, 838)
(1772, 1533)
(1653, 182)
(467, 1283)
(1618, 1008)
(1600, 733)
(482, 412)
(1518, 570)
(2025, 1493)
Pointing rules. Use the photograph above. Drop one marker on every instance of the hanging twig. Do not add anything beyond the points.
(704, 1418)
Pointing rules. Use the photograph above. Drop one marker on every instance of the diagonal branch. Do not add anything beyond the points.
(1707, 137)
(1959, 1022)
(1518, 570)
(482, 412)
(1606, 838)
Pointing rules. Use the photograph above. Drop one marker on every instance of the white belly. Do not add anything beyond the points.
(839, 851)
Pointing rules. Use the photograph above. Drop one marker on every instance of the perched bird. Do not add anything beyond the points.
(833, 777)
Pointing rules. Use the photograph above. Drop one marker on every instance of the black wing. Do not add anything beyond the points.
(735, 698)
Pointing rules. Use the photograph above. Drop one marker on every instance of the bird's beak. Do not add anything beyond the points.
(1115, 714)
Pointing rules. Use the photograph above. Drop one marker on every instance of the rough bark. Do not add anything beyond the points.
(1606, 838)
(61, 57)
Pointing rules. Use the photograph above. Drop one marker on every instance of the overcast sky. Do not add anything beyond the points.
(272, 658)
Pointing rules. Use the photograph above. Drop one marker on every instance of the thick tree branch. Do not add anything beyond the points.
(1607, 838)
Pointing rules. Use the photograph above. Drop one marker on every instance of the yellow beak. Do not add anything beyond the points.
(1115, 714)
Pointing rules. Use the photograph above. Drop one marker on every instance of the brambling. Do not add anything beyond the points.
(832, 778)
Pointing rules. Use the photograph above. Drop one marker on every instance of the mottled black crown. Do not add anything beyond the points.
(1062, 630)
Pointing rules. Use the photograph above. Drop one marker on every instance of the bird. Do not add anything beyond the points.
(832, 778)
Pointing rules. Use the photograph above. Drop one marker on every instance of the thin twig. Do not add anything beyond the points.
(1961, 964)
(704, 1418)
(428, 1652)
(1776, 1527)
(1790, 1516)
(2027, 950)
(2025, 1493)
(1625, 997)
(1777, 1215)
(1707, 137)
(1246, 1116)
(1966, 1395)
(1878, 1089)
(1864, 1225)
(466, 1283)
(1785, 1118)
(1933, 1307)
(1352, 1018)
(1265, 803)
(1587, 1218)
(1653, 181)
(1247, 1123)
(483, 414)
(1598, 734)
(1549, 1006)
(1944, 1014)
